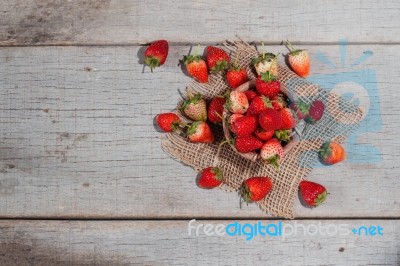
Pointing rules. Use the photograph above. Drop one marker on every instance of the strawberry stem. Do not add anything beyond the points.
(289, 46)
(226, 141)
(197, 50)
(298, 131)
(184, 124)
(305, 129)
(220, 116)
(263, 50)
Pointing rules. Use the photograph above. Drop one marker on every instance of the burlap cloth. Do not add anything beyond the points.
(339, 120)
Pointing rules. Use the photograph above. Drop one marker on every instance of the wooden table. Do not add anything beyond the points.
(83, 179)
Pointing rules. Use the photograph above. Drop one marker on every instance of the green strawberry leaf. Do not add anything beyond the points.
(217, 172)
(325, 151)
(274, 161)
(267, 76)
(283, 135)
(152, 62)
(320, 198)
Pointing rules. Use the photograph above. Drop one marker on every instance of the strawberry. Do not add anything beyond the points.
(299, 61)
(313, 194)
(266, 62)
(258, 104)
(315, 112)
(278, 103)
(250, 94)
(288, 118)
(195, 107)
(156, 54)
(232, 120)
(196, 67)
(245, 125)
(283, 135)
(247, 144)
(264, 135)
(331, 153)
(199, 131)
(270, 120)
(272, 152)
(168, 122)
(217, 59)
(236, 76)
(237, 102)
(215, 109)
(256, 188)
(267, 85)
(300, 108)
(210, 177)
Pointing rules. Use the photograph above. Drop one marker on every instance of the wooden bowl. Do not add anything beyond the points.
(253, 156)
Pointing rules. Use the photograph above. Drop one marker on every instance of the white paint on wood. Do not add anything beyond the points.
(131, 22)
(168, 242)
(77, 139)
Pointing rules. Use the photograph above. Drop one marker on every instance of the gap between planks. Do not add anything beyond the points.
(184, 218)
(193, 44)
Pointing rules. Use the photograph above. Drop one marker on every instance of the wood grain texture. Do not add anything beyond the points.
(168, 243)
(35, 22)
(78, 140)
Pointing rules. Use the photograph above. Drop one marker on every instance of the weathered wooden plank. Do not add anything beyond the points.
(131, 22)
(168, 243)
(77, 138)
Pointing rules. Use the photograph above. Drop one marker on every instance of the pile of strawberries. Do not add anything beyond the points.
(261, 119)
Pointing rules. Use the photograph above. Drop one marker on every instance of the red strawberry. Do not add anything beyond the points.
(266, 62)
(250, 94)
(283, 135)
(232, 120)
(256, 188)
(264, 135)
(278, 103)
(245, 125)
(156, 54)
(267, 85)
(270, 120)
(199, 131)
(168, 122)
(331, 153)
(195, 107)
(312, 193)
(301, 109)
(299, 61)
(258, 104)
(215, 109)
(210, 177)
(288, 118)
(236, 76)
(237, 102)
(272, 152)
(196, 67)
(217, 59)
(316, 112)
(247, 144)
